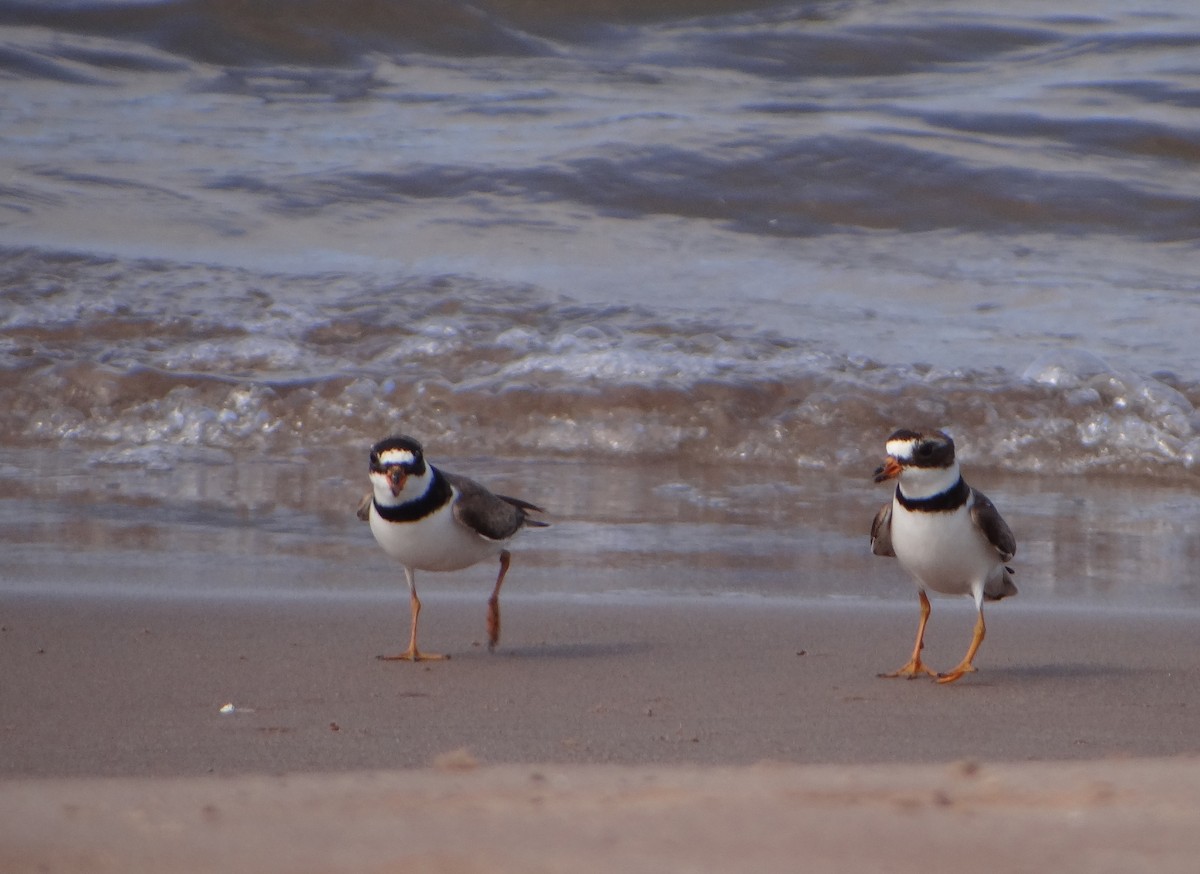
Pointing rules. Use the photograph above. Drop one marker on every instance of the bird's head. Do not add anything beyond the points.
(398, 471)
(922, 458)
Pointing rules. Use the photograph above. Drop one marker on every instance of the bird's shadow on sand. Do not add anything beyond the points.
(1060, 671)
(569, 650)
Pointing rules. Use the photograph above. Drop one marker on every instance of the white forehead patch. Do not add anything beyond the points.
(901, 450)
(396, 456)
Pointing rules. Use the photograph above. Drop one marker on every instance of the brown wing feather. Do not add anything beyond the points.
(364, 508)
(526, 508)
(985, 515)
(881, 531)
(494, 516)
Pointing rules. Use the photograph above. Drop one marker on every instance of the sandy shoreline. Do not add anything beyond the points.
(1077, 817)
(125, 687)
(671, 733)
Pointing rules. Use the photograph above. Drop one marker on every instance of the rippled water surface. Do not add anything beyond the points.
(732, 244)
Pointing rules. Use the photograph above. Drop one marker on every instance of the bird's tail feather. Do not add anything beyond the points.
(527, 508)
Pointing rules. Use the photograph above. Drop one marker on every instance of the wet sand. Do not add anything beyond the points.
(125, 687)
(689, 733)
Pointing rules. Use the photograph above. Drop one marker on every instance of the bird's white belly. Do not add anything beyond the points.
(946, 552)
(436, 543)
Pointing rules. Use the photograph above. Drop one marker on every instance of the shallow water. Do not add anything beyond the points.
(697, 260)
(287, 529)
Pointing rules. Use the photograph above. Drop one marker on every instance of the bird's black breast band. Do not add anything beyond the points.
(943, 502)
(434, 498)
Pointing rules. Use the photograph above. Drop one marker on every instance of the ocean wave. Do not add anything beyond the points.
(628, 406)
(824, 123)
(763, 39)
(803, 187)
(801, 50)
(304, 32)
(836, 192)
(468, 365)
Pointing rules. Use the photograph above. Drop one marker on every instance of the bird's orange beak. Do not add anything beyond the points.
(396, 478)
(890, 469)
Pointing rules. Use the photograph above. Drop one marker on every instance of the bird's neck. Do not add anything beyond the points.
(919, 483)
(409, 509)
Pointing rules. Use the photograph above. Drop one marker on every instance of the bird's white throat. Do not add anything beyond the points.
(925, 482)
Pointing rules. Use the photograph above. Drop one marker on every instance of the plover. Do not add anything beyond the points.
(431, 520)
(948, 535)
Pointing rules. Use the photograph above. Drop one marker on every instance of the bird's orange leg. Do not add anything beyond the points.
(493, 614)
(412, 654)
(915, 666)
(965, 666)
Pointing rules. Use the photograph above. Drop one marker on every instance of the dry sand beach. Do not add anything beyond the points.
(661, 734)
(1115, 817)
(101, 687)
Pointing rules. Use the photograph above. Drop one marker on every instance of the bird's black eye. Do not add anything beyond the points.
(925, 450)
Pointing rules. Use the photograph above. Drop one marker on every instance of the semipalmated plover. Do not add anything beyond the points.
(431, 520)
(946, 534)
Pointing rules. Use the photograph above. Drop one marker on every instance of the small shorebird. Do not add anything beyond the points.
(946, 534)
(435, 521)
